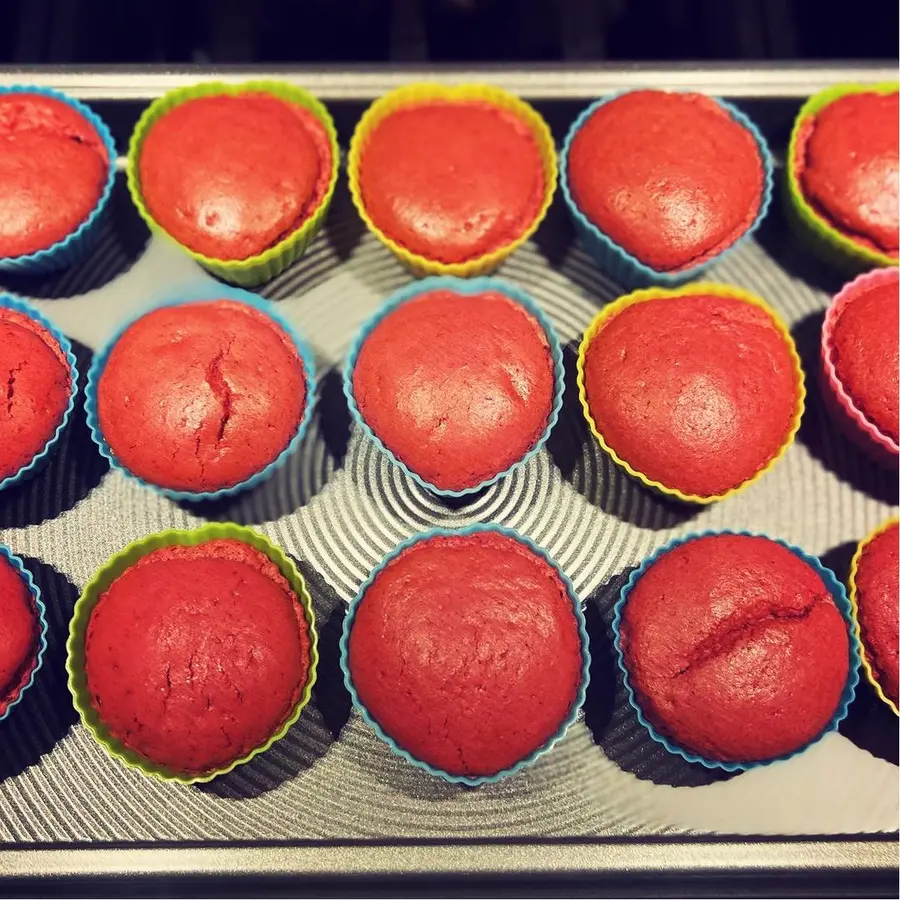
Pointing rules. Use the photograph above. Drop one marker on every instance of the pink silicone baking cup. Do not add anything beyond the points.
(880, 446)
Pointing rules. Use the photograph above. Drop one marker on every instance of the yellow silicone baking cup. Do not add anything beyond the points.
(254, 270)
(718, 290)
(854, 605)
(112, 569)
(826, 241)
(412, 94)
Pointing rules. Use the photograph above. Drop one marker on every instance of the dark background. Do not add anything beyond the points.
(385, 31)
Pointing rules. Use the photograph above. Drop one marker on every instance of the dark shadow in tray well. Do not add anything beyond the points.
(870, 723)
(121, 242)
(306, 472)
(611, 718)
(586, 466)
(320, 723)
(45, 713)
(821, 435)
(73, 470)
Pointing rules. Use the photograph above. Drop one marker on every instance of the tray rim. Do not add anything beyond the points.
(684, 855)
(537, 82)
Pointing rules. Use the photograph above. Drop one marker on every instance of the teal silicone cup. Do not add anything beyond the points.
(75, 246)
(582, 631)
(8, 301)
(206, 293)
(41, 613)
(617, 262)
(466, 286)
(839, 595)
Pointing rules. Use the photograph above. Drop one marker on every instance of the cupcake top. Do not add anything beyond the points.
(735, 648)
(698, 392)
(466, 652)
(452, 180)
(201, 396)
(229, 176)
(53, 170)
(211, 668)
(457, 386)
(19, 635)
(877, 599)
(865, 351)
(847, 161)
(35, 387)
(671, 178)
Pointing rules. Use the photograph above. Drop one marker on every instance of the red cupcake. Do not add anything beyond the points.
(639, 173)
(860, 357)
(209, 670)
(36, 387)
(734, 648)
(876, 597)
(54, 168)
(200, 396)
(459, 381)
(466, 652)
(846, 162)
(229, 176)
(20, 636)
(696, 392)
(453, 179)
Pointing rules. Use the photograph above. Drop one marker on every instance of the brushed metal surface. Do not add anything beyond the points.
(330, 798)
(537, 82)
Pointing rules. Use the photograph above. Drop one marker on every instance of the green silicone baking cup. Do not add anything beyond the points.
(254, 270)
(101, 581)
(820, 236)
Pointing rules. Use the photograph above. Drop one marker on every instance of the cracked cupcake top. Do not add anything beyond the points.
(208, 670)
(735, 648)
(53, 168)
(19, 635)
(35, 386)
(466, 651)
(201, 396)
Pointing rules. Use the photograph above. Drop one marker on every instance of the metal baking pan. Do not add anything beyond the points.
(330, 799)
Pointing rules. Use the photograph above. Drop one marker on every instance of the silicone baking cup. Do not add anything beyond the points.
(719, 290)
(854, 604)
(582, 631)
(813, 229)
(865, 433)
(8, 301)
(263, 267)
(75, 246)
(839, 595)
(207, 293)
(467, 287)
(41, 614)
(617, 262)
(99, 584)
(413, 94)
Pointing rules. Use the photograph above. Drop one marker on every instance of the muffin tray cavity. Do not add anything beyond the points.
(330, 798)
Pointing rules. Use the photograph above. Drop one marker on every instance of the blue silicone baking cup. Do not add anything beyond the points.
(8, 301)
(74, 247)
(40, 609)
(467, 286)
(617, 262)
(582, 632)
(838, 594)
(208, 292)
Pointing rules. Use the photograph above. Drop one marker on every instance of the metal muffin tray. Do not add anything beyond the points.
(331, 799)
